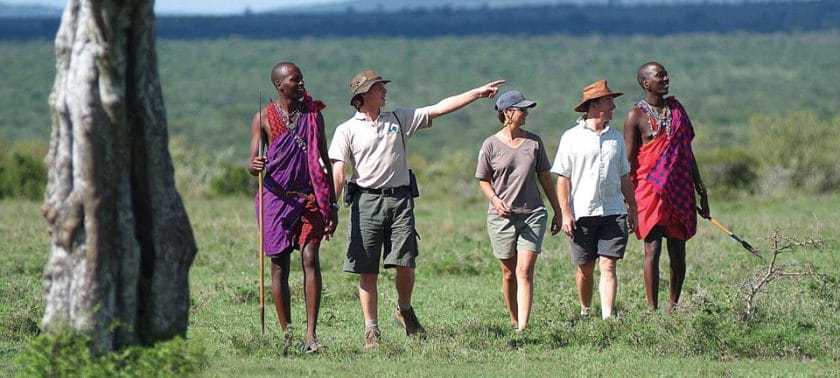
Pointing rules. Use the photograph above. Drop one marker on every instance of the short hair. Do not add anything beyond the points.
(641, 75)
(357, 101)
(502, 116)
(278, 70)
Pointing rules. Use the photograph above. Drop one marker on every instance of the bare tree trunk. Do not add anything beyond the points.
(122, 244)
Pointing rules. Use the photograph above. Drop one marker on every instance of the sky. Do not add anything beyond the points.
(222, 7)
(196, 6)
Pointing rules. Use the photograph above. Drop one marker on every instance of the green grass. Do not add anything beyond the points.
(459, 301)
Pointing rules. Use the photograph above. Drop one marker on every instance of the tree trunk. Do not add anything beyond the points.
(121, 241)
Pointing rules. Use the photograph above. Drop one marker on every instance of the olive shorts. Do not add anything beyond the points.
(517, 232)
(381, 227)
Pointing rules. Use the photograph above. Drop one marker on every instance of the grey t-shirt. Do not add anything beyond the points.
(512, 171)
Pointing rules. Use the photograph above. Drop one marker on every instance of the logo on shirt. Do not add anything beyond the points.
(393, 129)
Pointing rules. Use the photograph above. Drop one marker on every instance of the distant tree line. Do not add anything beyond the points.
(538, 20)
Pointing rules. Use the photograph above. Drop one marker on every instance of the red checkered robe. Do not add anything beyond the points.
(663, 180)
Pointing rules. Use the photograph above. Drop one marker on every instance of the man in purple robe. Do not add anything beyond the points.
(299, 207)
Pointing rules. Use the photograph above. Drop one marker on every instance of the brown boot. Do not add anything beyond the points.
(408, 320)
(372, 337)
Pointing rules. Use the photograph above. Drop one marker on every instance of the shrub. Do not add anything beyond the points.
(195, 170)
(799, 152)
(728, 171)
(67, 353)
(234, 180)
(23, 173)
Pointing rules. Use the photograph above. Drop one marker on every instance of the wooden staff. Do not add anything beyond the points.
(731, 234)
(261, 223)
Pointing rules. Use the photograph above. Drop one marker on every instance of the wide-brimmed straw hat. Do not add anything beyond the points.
(594, 91)
(362, 82)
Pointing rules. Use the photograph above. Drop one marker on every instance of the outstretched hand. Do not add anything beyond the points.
(490, 89)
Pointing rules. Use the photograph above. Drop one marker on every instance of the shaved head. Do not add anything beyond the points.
(644, 72)
(281, 70)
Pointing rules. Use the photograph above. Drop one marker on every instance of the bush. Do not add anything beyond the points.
(729, 172)
(234, 180)
(67, 354)
(799, 152)
(23, 173)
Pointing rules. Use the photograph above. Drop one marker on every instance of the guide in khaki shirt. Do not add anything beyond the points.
(375, 149)
(382, 228)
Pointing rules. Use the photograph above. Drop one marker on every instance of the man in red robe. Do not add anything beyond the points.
(658, 135)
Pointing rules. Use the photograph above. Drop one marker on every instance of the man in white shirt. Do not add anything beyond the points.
(373, 143)
(596, 195)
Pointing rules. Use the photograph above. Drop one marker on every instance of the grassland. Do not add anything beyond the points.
(458, 299)
(732, 85)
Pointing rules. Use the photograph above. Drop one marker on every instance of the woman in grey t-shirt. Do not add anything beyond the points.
(510, 163)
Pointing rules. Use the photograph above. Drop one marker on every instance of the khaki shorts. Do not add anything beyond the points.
(518, 232)
(381, 228)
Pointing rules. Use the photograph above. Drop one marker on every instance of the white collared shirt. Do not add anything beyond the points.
(594, 164)
(375, 149)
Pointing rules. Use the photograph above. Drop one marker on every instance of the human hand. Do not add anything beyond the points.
(704, 210)
(556, 223)
(257, 164)
(490, 89)
(632, 221)
(332, 223)
(501, 207)
(568, 225)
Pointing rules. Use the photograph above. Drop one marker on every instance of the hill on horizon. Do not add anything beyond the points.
(749, 17)
(364, 6)
(367, 6)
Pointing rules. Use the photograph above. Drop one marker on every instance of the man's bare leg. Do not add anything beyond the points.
(312, 285)
(653, 249)
(368, 295)
(280, 289)
(608, 286)
(585, 283)
(676, 254)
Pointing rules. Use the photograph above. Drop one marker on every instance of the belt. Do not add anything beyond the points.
(385, 191)
(288, 193)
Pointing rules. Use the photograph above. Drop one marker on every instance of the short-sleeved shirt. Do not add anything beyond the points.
(376, 150)
(594, 164)
(512, 172)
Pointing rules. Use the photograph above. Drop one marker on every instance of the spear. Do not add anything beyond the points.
(731, 234)
(261, 152)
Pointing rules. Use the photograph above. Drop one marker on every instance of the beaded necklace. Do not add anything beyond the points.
(291, 122)
(289, 119)
(657, 119)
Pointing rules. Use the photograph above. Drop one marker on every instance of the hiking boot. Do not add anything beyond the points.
(372, 337)
(409, 322)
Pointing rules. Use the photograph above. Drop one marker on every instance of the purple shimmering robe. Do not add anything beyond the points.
(288, 170)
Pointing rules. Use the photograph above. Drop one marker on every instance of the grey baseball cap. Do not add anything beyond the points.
(513, 99)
